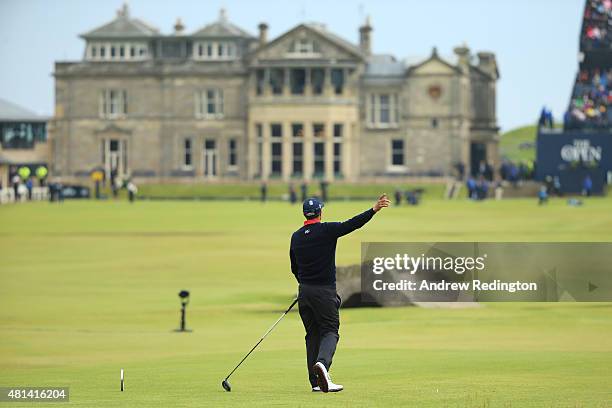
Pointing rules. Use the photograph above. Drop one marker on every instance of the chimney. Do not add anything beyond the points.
(365, 41)
(487, 63)
(124, 11)
(463, 56)
(222, 14)
(179, 27)
(263, 34)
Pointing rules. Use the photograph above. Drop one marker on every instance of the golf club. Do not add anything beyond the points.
(225, 384)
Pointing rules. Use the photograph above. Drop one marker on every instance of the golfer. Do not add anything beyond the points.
(313, 262)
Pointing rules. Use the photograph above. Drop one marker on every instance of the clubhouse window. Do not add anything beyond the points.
(337, 80)
(319, 159)
(298, 159)
(382, 110)
(113, 103)
(277, 159)
(276, 130)
(232, 148)
(277, 80)
(297, 130)
(260, 81)
(209, 103)
(259, 158)
(187, 154)
(337, 158)
(317, 80)
(297, 80)
(22, 135)
(338, 130)
(304, 46)
(215, 50)
(118, 51)
(397, 152)
(318, 130)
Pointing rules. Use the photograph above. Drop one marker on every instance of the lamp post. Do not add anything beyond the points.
(184, 296)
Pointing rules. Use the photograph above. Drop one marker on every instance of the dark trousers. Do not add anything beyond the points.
(318, 307)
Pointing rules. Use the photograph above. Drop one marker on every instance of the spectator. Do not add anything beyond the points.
(292, 194)
(324, 184)
(482, 188)
(60, 192)
(132, 191)
(542, 195)
(587, 186)
(471, 187)
(412, 197)
(304, 188)
(29, 185)
(23, 192)
(52, 191)
(398, 197)
(590, 101)
(514, 174)
(499, 190)
(542, 120)
(16, 181)
(596, 32)
(41, 174)
(557, 186)
(550, 122)
(263, 189)
(115, 186)
(460, 167)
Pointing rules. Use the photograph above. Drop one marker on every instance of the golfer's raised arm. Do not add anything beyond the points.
(340, 229)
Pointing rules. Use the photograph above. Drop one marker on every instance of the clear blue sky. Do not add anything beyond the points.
(536, 42)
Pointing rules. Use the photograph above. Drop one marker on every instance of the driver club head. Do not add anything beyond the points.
(226, 385)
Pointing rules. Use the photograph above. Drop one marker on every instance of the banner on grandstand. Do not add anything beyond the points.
(572, 156)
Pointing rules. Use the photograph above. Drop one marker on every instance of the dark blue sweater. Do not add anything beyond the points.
(313, 249)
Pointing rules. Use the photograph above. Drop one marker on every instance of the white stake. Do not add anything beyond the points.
(122, 379)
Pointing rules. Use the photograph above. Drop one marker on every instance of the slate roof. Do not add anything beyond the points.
(122, 27)
(334, 38)
(380, 65)
(222, 28)
(11, 112)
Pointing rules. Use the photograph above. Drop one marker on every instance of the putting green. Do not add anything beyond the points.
(88, 288)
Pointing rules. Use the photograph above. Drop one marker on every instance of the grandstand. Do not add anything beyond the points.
(582, 149)
(592, 92)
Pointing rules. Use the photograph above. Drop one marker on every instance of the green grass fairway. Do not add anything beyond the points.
(88, 288)
(510, 142)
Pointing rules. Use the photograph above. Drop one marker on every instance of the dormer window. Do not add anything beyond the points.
(116, 51)
(215, 50)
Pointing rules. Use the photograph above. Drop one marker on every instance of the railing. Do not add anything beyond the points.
(7, 195)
